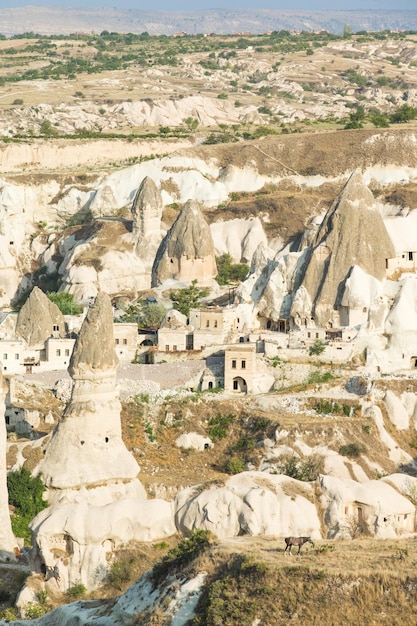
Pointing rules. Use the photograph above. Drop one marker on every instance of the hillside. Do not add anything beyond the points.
(135, 167)
(48, 20)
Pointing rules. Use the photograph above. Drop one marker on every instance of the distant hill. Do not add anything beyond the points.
(54, 20)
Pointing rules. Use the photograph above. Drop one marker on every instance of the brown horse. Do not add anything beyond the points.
(296, 541)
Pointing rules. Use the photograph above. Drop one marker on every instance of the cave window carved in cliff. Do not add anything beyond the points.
(414, 361)
(106, 439)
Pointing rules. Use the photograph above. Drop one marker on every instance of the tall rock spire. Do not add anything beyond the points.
(87, 448)
(147, 214)
(187, 251)
(39, 318)
(352, 233)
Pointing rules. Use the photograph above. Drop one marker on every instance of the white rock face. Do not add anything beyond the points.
(375, 504)
(251, 503)
(194, 441)
(96, 501)
(238, 237)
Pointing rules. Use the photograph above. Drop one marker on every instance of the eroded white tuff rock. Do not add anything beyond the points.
(147, 213)
(253, 503)
(7, 539)
(187, 251)
(96, 501)
(352, 233)
(39, 318)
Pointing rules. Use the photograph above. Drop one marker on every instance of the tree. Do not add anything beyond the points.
(317, 348)
(152, 315)
(188, 298)
(26, 495)
(228, 271)
(65, 302)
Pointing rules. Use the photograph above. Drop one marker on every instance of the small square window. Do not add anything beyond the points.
(243, 365)
(17, 356)
(58, 352)
(125, 342)
(117, 342)
(233, 364)
(67, 352)
(207, 323)
(4, 357)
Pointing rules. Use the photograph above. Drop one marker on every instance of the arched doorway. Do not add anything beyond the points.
(239, 385)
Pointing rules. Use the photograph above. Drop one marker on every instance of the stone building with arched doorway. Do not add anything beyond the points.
(239, 368)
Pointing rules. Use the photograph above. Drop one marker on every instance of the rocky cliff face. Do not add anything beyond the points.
(187, 251)
(352, 233)
(39, 318)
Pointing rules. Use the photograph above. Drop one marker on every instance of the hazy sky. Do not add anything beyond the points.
(195, 5)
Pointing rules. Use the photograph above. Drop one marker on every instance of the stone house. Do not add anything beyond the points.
(126, 340)
(239, 368)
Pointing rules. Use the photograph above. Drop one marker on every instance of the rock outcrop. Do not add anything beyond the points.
(187, 251)
(39, 318)
(147, 213)
(96, 501)
(352, 233)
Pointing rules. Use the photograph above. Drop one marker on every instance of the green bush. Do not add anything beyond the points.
(317, 348)
(65, 302)
(76, 591)
(228, 271)
(182, 555)
(353, 450)
(301, 469)
(235, 465)
(189, 298)
(218, 426)
(26, 495)
(121, 572)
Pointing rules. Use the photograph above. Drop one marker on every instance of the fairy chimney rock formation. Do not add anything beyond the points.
(39, 318)
(352, 233)
(187, 251)
(147, 213)
(87, 448)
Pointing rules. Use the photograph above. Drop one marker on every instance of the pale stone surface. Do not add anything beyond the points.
(96, 501)
(253, 503)
(193, 440)
(39, 318)
(187, 251)
(87, 448)
(147, 213)
(352, 233)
